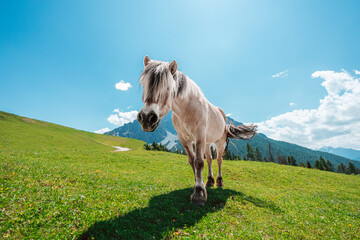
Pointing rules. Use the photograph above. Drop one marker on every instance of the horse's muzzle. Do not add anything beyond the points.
(149, 122)
(150, 128)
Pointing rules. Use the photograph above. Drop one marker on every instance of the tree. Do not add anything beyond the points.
(329, 166)
(281, 159)
(258, 155)
(341, 168)
(155, 146)
(271, 158)
(308, 164)
(322, 163)
(291, 161)
(352, 168)
(317, 164)
(250, 152)
(301, 164)
(146, 146)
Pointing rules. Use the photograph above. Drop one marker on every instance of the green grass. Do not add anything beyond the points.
(62, 183)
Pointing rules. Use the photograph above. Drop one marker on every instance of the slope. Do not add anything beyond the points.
(58, 182)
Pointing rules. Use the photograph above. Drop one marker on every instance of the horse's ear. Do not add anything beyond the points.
(146, 60)
(173, 67)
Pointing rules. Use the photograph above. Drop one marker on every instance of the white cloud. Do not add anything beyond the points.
(121, 118)
(228, 115)
(280, 74)
(336, 121)
(123, 86)
(292, 104)
(102, 131)
(357, 72)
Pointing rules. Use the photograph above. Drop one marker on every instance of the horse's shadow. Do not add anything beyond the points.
(167, 212)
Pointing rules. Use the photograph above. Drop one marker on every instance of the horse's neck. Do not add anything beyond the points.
(188, 102)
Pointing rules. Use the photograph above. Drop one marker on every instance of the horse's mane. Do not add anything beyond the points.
(159, 83)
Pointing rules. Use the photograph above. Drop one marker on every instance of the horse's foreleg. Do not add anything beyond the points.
(189, 151)
(219, 158)
(191, 157)
(211, 180)
(199, 196)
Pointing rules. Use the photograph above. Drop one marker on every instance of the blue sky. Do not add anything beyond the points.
(60, 60)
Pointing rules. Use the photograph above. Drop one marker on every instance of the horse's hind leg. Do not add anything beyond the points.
(211, 180)
(219, 158)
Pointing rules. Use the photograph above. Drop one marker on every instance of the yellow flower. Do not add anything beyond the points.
(13, 173)
(349, 225)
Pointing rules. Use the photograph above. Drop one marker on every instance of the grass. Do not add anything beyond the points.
(62, 183)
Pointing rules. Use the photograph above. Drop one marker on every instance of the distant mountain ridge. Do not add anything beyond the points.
(344, 152)
(166, 134)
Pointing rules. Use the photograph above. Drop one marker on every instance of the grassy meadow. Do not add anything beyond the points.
(62, 183)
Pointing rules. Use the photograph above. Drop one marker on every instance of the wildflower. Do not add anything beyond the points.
(13, 173)
(97, 171)
(349, 225)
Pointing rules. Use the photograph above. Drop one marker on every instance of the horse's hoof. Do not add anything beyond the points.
(219, 182)
(199, 196)
(210, 181)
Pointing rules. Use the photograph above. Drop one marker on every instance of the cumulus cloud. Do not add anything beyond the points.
(102, 131)
(291, 104)
(336, 121)
(122, 86)
(280, 74)
(120, 118)
(228, 115)
(357, 72)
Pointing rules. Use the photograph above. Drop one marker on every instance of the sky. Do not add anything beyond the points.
(292, 67)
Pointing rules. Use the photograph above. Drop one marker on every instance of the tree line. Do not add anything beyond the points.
(253, 154)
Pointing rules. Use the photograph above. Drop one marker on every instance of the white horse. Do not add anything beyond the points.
(195, 119)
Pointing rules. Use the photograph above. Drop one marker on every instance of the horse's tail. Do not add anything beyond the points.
(246, 132)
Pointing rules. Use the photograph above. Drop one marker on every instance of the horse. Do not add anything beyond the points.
(197, 122)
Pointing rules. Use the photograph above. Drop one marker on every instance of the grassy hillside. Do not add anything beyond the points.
(57, 182)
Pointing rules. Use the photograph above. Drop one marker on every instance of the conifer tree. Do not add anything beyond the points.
(322, 164)
(271, 157)
(308, 164)
(317, 164)
(341, 168)
(291, 161)
(258, 155)
(329, 166)
(250, 152)
(352, 168)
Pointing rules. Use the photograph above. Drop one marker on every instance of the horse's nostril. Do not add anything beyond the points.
(139, 117)
(153, 118)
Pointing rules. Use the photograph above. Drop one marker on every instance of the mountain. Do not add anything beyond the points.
(344, 152)
(167, 135)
